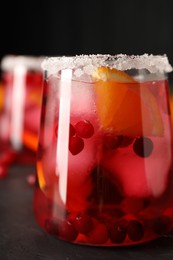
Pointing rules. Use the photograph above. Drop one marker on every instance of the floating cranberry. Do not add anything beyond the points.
(67, 231)
(135, 230)
(118, 232)
(83, 223)
(84, 129)
(162, 225)
(76, 144)
(143, 146)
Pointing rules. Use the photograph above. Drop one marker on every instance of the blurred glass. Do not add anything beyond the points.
(21, 93)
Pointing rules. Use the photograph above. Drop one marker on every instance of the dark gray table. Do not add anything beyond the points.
(22, 239)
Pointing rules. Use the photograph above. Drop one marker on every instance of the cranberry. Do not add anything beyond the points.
(76, 144)
(84, 129)
(162, 225)
(98, 235)
(143, 146)
(83, 223)
(118, 232)
(135, 230)
(67, 231)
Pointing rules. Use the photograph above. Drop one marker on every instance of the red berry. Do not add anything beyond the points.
(76, 144)
(135, 230)
(67, 231)
(143, 146)
(83, 223)
(118, 232)
(84, 129)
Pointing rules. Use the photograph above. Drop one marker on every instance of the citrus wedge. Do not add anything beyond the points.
(124, 105)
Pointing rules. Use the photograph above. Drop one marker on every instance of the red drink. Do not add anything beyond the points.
(20, 113)
(104, 158)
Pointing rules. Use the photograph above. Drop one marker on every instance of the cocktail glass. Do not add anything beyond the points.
(104, 161)
(20, 111)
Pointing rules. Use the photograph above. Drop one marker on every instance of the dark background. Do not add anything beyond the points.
(68, 27)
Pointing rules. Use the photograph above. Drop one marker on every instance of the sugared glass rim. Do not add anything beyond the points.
(87, 64)
(9, 62)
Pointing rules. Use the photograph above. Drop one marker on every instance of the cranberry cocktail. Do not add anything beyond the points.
(104, 158)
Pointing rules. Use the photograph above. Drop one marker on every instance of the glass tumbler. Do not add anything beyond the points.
(20, 110)
(104, 161)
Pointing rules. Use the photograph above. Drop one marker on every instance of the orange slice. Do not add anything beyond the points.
(124, 105)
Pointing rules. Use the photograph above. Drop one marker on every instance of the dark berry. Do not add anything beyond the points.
(162, 225)
(83, 223)
(76, 144)
(84, 129)
(143, 146)
(135, 230)
(118, 232)
(67, 231)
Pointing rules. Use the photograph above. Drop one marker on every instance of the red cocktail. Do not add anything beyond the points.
(104, 162)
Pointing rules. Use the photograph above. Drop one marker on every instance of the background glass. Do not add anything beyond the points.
(20, 110)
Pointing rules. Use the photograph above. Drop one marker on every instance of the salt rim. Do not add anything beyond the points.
(87, 64)
(9, 62)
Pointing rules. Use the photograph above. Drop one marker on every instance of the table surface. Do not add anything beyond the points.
(22, 238)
